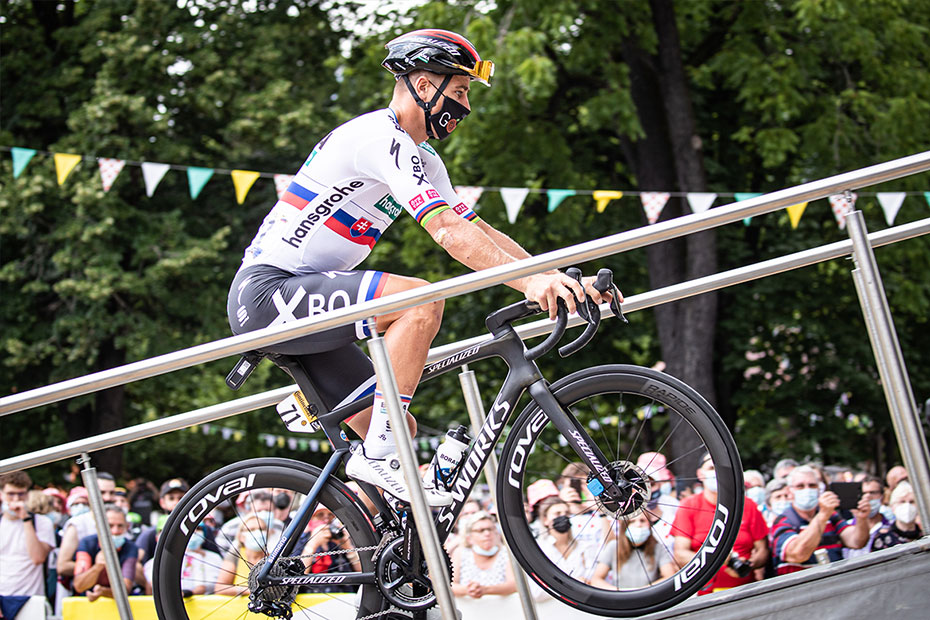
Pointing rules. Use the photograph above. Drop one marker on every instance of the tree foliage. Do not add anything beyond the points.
(779, 92)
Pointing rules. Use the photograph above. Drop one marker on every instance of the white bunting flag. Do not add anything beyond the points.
(109, 170)
(841, 207)
(653, 203)
(470, 195)
(513, 200)
(153, 174)
(891, 203)
(701, 201)
(281, 181)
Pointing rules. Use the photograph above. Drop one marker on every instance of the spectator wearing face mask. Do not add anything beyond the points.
(170, 494)
(573, 557)
(904, 528)
(692, 525)
(481, 567)
(873, 490)
(635, 559)
(251, 542)
(811, 522)
(662, 505)
(81, 524)
(776, 500)
(25, 539)
(200, 568)
(90, 574)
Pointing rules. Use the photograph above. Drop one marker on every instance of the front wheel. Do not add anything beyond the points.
(220, 563)
(598, 562)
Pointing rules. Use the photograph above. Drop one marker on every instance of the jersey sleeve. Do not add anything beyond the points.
(395, 160)
(440, 178)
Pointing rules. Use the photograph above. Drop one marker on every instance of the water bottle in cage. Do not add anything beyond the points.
(445, 464)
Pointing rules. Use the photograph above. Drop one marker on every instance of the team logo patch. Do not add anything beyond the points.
(417, 201)
(460, 208)
(388, 206)
(431, 193)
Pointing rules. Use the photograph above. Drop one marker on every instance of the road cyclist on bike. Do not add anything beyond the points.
(355, 182)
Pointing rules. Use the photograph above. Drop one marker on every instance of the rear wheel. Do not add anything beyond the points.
(220, 570)
(627, 411)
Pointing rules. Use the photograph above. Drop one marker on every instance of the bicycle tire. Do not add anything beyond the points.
(645, 396)
(227, 484)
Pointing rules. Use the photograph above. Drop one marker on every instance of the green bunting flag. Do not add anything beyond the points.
(556, 196)
(197, 178)
(927, 197)
(740, 196)
(21, 157)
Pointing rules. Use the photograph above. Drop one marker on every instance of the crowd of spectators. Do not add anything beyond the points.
(49, 544)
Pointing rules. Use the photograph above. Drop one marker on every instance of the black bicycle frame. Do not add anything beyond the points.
(522, 375)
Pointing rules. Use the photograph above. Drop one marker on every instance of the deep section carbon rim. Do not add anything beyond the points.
(222, 573)
(627, 411)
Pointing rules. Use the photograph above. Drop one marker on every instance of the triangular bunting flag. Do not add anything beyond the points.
(701, 201)
(794, 213)
(556, 196)
(513, 200)
(841, 207)
(603, 196)
(927, 197)
(109, 170)
(243, 180)
(740, 196)
(197, 178)
(64, 164)
(891, 203)
(470, 195)
(153, 173)
(281, 181)
(21, 157)
(653, 203)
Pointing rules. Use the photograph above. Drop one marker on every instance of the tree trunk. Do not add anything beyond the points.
(670, 157)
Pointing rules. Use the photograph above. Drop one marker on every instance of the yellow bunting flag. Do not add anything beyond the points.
(243, 180)
(794, 213)
(64, 164)
(603, 196)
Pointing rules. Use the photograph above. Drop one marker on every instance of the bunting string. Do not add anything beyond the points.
(652, 202)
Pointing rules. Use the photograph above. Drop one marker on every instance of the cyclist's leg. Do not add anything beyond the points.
(407, 336)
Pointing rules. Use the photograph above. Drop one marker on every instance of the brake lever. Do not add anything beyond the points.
(604, 283)
(588, 310)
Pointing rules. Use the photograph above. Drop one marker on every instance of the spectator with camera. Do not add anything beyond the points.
(25, 539)
(873, 490)
(328, 549)
(812, 523)
(692, 525)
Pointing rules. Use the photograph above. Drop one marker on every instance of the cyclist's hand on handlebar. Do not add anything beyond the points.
(546, 288)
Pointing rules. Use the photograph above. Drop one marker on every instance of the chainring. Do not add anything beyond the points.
(397, 582)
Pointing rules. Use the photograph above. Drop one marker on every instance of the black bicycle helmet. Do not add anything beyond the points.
(439, 51)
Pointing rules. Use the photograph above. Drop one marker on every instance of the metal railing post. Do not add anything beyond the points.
(422, 515)
(477, 416)
(887, 351)
(114, 568)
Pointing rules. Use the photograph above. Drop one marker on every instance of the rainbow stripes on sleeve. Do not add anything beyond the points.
(431, 210)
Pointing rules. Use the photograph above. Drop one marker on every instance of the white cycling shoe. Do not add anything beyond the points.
(385, 473)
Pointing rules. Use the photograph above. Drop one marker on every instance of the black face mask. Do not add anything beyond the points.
(561, 524)
(442, 122)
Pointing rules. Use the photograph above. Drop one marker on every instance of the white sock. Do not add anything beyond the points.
(379, 442)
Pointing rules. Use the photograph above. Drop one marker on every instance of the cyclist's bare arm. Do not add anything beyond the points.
(481, 246)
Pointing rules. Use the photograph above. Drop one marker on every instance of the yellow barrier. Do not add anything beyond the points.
(337, 607)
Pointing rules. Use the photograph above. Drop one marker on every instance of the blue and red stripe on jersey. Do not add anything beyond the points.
(431, 209)
(297, 195)
(357, 230)
(376, 286)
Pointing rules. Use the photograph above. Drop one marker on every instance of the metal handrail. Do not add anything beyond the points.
(633, 303)
(582, 252)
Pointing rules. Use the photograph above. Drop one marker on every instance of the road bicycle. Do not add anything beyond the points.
(601, 417)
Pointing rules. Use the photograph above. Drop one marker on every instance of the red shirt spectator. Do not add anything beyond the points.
(693, 521)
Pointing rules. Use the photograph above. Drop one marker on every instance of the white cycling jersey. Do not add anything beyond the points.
(353, 185)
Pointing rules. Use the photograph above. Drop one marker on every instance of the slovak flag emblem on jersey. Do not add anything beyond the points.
(359, 228)
(355, 229)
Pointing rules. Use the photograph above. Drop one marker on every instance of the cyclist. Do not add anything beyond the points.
(355, 182)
